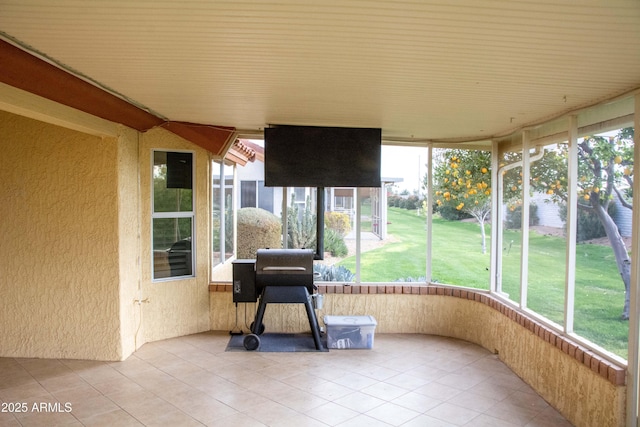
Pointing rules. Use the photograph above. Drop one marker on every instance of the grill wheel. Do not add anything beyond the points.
(251, 342)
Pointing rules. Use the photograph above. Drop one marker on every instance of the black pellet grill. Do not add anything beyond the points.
(275, 276)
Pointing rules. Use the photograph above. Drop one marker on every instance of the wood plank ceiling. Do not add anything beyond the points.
(429, 70)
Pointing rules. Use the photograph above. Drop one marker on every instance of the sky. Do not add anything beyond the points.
(407, 163)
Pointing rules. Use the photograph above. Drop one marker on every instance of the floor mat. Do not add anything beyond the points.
(274, 343)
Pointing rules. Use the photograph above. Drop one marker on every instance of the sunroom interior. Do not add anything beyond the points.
(96, 101)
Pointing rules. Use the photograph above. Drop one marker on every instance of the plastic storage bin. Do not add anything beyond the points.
(350, 331)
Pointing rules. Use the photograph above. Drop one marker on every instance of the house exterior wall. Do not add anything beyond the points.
(254, 171)
(60, 273)
(180, 306)
(548, 211)
(622, 217)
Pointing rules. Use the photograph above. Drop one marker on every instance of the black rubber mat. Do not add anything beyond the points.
(283, 343)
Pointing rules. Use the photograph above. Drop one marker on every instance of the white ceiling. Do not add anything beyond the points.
(427, 70)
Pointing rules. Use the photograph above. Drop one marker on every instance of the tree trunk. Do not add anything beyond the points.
(484, 236)
(619, 250)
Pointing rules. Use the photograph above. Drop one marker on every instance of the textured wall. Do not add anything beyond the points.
(59, 226)
(175, 307)
(581, 395)
(128, 239)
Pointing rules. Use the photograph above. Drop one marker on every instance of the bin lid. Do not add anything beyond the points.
(350, 321)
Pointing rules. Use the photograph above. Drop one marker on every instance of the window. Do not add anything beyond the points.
(248, 194)
(222, 212)
(173, 214)
(571, 260)
(253, 194)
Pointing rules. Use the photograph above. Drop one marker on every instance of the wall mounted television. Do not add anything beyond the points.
(313, 156)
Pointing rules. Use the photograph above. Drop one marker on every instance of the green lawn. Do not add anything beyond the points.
(458, 260)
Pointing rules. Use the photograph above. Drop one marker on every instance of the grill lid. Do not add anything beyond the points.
(284, 267)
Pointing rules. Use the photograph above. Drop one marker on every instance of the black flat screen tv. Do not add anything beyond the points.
(311, 156)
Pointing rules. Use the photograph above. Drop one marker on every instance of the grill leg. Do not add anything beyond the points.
(262, 306)
(313, 322)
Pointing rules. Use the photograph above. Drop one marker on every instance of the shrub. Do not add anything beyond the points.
(393, 200)
(589, 225)
(412, 279)
(412, 202)
(514, 217)
(333, 273)
(334, 243)
(338, 222)
(257, 229)
(450, 213)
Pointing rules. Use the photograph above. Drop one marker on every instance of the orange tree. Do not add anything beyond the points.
(462, 181)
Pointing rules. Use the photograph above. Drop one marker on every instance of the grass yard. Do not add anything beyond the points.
(458, 260)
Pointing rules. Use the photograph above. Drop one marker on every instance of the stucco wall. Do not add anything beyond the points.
(59, 273)
(583, 396)
(129, 239)
(176, 307)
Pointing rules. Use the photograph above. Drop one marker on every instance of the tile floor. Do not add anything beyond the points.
(405, 380)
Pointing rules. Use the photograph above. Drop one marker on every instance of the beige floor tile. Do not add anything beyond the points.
(409, 380)
(453, 414)
(417, 402)
(236, 420)
(438, 391)
(427, 421)
(243, 400)
(363, 421)
(486, 420)
(49, 419)
(359, 401)
(268, 412)
(297, 420)
(480, 403)
(355, 381)
(21, 393)
(393, 414)
(90, 407)
(332, 414)
(300, 401)
(385, 391)
(117, 417)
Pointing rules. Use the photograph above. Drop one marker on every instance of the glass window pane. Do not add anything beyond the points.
(216, 214)
(602, 252)
(511, 215)
(547, 237)
(461, 222)
(172, 182)
(301, 218)
(172, 247)
(229, 232)
(248, 194)
(265, 197)
(339, 239)
(392, 240)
